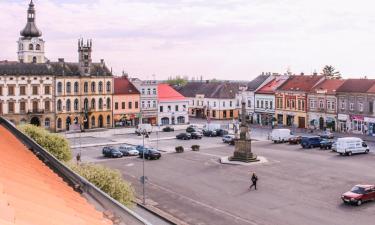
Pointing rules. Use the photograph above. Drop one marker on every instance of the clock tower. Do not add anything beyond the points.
(30, 45)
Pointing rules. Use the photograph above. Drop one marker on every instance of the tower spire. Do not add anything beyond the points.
(31, 30)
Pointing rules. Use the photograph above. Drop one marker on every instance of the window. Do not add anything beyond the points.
(143, 91)
(288, 103)
(299, 104)
(130, 105)
(10, 90)
(47, 123)
(76, 105)
(328, 105)
(108, 86)
(148, 91)
(214, 104)
(100, 87)
(22, 90)
(321, 104)
(261, 104)
(360, 106)
(230, 103)
(86, 104)
(11, 107)
(184, 107)
(249, 103)
(108, 120)
(93, 86)
(342, 104)
(59, 87)
(266, 104)
(123, 105)
(35, 106)
(161, 109)
(303, 105)
(312, 104)
(154, 91)
(136, 104)
(292, 103)
(223, 103)
(68, 105)
(35, 90)
(192, 102)
(1, 90)
(93, 104)
(351, 106)
(59, 105)
(271, 104)
(169, 108)
(47, 90)
(257, 103)
(116, 105)
(31, 47)
(143, 104)
(22, 107)
(213, 113)
(47, 106)
(34, 59)
(76, 87)
(100, 103)
(176, 108)
(333, 106)
(68, 87)
(154, 104)
(85, 87)
(371, 107)
(59, 123)
(108, 103)
(93, 121)
(37, 47)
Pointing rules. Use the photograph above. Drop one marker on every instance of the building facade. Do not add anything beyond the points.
(173, 107)
(126, 103)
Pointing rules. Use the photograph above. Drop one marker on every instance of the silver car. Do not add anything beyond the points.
(128, 150)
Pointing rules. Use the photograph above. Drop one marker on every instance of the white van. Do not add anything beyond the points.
(351, 145)
(280, 135)
(143, 127)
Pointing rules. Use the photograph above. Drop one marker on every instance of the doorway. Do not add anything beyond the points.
(100, 121)
(35, 121)
(301, 122)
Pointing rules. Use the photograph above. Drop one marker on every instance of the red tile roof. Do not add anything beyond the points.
(124, 87)
(31, 193)
(300, 83)
(167, 93)
(270, 87)
(372, 89)
(356, 85)
(330, 85)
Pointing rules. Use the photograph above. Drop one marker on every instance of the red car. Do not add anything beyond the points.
(359, 194)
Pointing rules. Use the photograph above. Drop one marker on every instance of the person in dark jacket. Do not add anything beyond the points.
(254, 180)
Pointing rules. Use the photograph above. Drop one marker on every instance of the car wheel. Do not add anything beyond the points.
(359, 202)
(340, 153)
(367, 151)
(349, 153)
(309, 146)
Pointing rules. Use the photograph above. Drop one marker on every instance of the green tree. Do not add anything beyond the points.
(177, 80)
(331, 73)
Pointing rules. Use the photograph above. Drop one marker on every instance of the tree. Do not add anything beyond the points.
(177, 80)
(330, 72)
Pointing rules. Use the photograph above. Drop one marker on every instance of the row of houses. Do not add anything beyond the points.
(64, 95)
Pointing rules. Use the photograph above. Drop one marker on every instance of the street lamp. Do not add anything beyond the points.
(144, 134)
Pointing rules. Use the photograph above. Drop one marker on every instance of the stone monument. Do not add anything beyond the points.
(242, 142)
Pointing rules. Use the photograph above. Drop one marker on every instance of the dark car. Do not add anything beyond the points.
(111, 152)
(196, 135)
(221, 132)
(168, 129)
(140, 148)
(326, 144)
(209, 133)
(183, 136)
(191, 129)
(295, 140)
(150, 154)
(311, 142)
(359, 194)
(326, 134)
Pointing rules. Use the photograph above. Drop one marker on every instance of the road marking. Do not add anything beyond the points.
(130, 164)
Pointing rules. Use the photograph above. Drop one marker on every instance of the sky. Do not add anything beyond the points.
(222, 39)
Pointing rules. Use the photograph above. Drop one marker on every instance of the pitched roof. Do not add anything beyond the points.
(259, 80)
(50, 68)
(31, 193)
(221, 90)
(330, 86)
(167, 93)
(123, 86)
(300, 83)
(271, 86)
(371, 90)
(356, 85)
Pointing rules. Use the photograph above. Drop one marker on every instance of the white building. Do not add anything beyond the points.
(149, 99)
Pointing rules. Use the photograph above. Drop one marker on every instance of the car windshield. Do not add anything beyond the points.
(358, 190)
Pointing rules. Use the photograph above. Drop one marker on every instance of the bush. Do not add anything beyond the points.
(195, 147)
(179, 149)
(108, 180)
(55, 144)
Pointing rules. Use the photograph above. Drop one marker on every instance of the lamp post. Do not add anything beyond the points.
(143, 179)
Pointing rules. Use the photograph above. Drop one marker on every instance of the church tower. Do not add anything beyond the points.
(30, 45)
(84, 56)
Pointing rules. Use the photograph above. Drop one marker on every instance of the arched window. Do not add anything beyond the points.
(34, 59)
(93, 121)
(108, 103)
(59, 105)
(38, 47)
(76, 87)
(86, 104)
(59, 87)
(108, 86)
(100, 87)
(31, 47)
(59, 123)
(86, 87)
(68, 105)
(93, 104)
(92, 86)
(47, 123)
(68, 87)
(76, 106)
(100, 103)
(108, 120)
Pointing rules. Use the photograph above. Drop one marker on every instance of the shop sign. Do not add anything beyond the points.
(369, 120)
(357, 117)
(342, 117)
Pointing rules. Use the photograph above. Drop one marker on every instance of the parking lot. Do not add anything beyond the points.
(296, 186)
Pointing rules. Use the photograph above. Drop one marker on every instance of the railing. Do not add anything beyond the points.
(79, 183)
(35, 111)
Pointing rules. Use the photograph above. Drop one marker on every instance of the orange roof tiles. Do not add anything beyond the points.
(167, 93)
(300, 83)
(330, 85)
(31, 193)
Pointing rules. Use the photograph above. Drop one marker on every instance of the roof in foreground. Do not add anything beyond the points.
(356, 85)
(31, 193)
(167, 93)
(219, 90)
(300, 83)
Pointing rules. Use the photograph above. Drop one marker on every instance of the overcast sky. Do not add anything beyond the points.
(223, 39)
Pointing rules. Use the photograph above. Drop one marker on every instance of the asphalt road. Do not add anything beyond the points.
(296, 186)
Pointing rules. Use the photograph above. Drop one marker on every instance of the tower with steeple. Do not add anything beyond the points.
(30, 44)
(84, 56)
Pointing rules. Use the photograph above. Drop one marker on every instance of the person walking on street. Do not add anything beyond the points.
(254, 180)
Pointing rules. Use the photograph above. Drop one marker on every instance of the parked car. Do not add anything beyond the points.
(232, 142)
(140, 148)
(334, 146)
(358, 194)
(111, 152)
(151, 153)
(295, 139)
(221, 132)
(168, 129)
(209, 133)
(351, 145)
(144, 127)
(326, 134)
(196, 135)
(183, 136)
(311, 142)
(280, 135)
(227, 138)
(128, 150)
(191, 129)
(326, 144)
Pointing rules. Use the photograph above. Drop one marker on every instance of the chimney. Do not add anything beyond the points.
(102, 63)
(302, 74)
(315, 73)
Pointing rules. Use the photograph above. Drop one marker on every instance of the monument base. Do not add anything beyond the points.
(243, 152)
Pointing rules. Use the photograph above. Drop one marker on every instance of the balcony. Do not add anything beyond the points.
(36, 111)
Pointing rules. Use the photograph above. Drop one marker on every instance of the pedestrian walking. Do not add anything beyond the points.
(254, 179)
